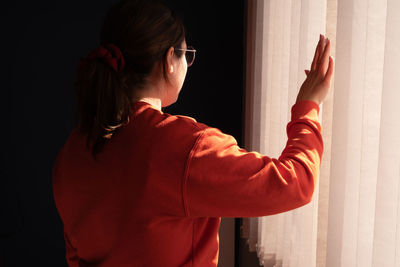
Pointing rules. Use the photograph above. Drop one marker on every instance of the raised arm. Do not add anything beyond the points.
(224, 180)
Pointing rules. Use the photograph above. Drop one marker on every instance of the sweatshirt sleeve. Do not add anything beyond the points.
(224, 180)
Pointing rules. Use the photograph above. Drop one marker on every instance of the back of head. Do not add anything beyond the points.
(143, 30)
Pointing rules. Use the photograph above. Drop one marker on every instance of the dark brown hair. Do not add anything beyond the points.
(144, 30)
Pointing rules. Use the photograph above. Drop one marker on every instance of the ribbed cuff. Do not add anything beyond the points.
(305, 108)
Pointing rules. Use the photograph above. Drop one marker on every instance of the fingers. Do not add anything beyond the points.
(329, 72)
(322, 62)
(323, 66)
(323, 46)
(317, 53)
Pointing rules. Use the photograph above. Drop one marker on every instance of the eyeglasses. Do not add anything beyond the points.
(190, 53)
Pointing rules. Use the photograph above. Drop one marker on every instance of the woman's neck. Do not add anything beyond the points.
(154, 101)
(152, 93)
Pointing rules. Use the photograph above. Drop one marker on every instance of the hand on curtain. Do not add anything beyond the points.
(318, 81)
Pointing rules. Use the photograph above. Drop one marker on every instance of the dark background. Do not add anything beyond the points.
(41, 44)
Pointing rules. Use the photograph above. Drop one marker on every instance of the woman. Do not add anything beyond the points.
(135, 186)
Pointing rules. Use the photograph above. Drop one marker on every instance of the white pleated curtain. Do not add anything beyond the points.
(354, 217)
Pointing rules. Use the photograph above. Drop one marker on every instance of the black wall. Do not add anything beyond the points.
(41, 43)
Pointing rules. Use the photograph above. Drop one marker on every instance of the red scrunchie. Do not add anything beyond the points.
(109, 53)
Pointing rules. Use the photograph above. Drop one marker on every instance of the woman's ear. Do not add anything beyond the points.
(169, 62)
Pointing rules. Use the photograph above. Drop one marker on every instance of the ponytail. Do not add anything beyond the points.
(102, 99)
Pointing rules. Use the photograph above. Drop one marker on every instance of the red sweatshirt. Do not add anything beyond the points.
(157, 192)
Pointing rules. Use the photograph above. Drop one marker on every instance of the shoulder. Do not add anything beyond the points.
(180, 130)
(181, 124)
(202, 130)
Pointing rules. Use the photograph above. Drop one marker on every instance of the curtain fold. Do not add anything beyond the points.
(386, 242)
(354, 217)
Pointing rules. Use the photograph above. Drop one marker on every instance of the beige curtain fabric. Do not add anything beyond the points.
(354, 217)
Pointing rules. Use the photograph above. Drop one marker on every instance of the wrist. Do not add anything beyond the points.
(309, 99)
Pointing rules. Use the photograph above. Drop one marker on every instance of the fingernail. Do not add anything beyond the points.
(326, 41)
(320, 37)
